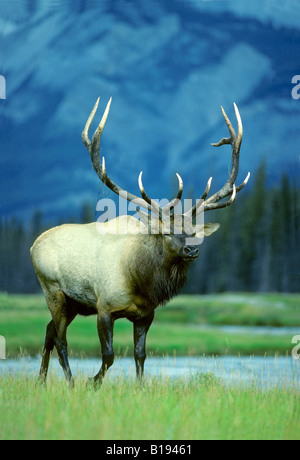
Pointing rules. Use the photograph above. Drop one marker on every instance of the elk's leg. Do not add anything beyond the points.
(140, 330)
(57, 333)
(105, 325)
(48, 348)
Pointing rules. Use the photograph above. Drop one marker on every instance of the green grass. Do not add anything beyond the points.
(200, 408)
(240, 309)
(23, 321)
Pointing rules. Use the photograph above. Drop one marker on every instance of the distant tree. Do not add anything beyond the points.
(258, 245)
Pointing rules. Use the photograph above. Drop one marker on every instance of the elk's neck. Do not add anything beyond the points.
(155, 277)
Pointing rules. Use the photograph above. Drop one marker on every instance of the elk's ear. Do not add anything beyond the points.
(206, 229)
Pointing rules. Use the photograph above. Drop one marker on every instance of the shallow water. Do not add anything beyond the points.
(252, 330)
(264, 372)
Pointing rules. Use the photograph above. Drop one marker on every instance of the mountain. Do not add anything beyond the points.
(168, 67)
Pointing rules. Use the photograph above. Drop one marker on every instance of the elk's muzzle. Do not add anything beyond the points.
(190, 252)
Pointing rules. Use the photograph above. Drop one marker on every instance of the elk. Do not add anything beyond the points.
(84, 270)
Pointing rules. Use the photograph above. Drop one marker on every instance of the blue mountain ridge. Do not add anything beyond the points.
(168, 67)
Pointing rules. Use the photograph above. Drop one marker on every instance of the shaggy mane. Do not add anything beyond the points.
(157, 278)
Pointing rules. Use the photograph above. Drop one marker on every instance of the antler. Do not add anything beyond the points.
(229, 187)
(146, 202)
(93, 148)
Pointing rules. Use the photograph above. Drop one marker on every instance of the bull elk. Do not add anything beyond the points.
(85, 271)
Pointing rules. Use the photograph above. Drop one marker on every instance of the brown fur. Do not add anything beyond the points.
(155, 276)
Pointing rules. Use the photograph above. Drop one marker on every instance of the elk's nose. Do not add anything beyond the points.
(191, 251)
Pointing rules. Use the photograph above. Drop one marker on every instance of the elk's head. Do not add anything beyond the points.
(181, 233)
(180, 237)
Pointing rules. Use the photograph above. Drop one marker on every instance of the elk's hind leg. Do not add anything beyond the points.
(141, 328)
(48, 348)
(62, 314)
(105, 325)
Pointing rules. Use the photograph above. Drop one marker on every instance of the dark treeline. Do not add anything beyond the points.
(256, 249)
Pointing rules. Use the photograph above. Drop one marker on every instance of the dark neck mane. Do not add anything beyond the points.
(155, 277)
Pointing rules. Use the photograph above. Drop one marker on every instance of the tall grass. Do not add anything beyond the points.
(198, 408)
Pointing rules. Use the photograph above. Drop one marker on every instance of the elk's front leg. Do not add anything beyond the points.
(141, 327)
(105, 325)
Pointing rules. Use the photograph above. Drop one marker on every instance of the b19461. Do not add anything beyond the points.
(152, 449)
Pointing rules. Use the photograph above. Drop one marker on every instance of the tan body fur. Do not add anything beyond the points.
(97, 268)
(90, 267)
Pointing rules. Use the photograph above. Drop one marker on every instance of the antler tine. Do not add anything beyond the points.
(176, 200)
(98, 133)
(156, 208)
(85, 132)
(142, 189)
(193, 211)
(228, 123)
(104, 174)
(180, 190)
(240, 124)
(232, 138)
(207, 189)
(240, 187)
(93, 146)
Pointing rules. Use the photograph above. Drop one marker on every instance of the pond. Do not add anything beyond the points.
(232, 370)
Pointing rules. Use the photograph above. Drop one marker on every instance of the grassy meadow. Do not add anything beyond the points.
(160, 409)
(200, 407)
(188, 325)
